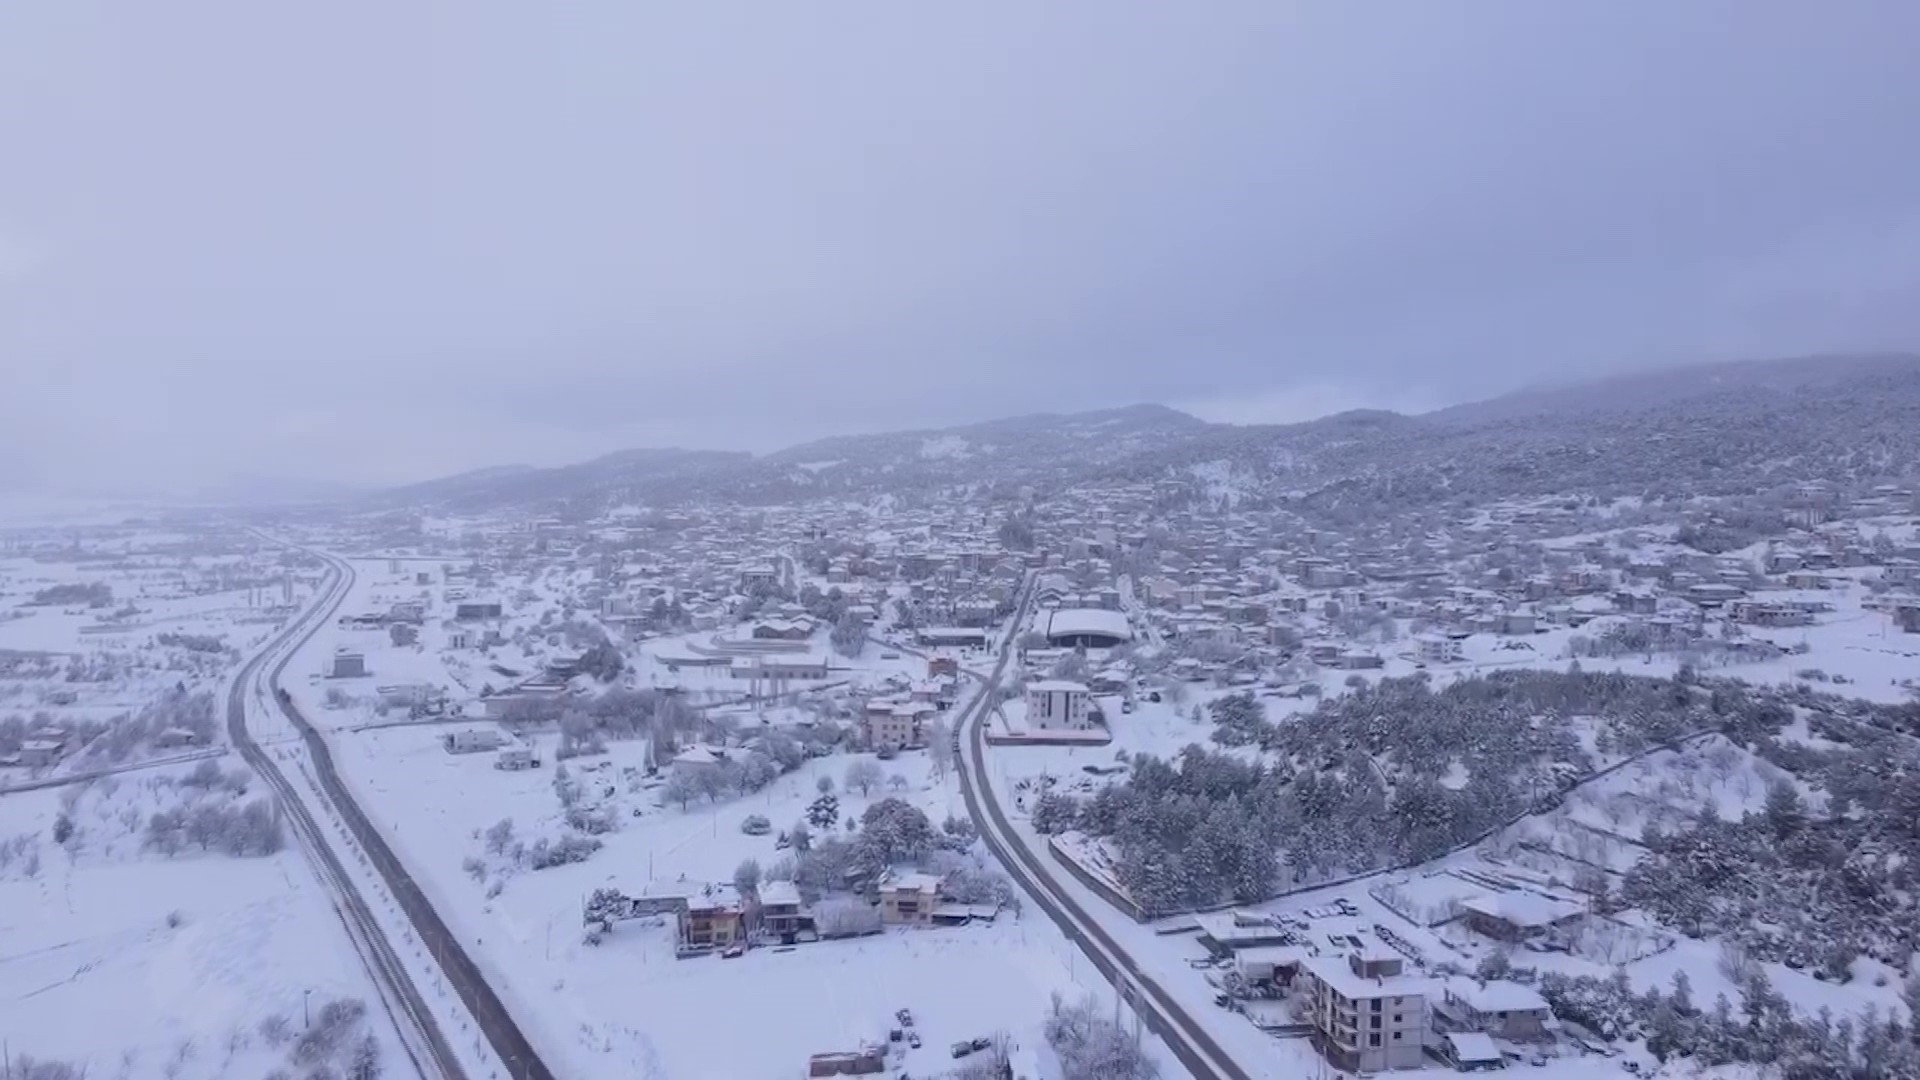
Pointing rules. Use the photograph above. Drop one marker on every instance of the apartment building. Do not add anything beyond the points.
(1368, 1015)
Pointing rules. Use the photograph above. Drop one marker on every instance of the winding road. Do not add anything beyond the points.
(1189, 1041)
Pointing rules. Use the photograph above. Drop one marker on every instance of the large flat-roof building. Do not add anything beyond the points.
(1093, 628)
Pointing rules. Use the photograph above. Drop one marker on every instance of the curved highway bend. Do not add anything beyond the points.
(509, 1043)
(1196, 1049)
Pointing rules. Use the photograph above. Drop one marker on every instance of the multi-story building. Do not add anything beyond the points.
(1057, 703)
(1367, 1014)
(1438, 648)
(712, 919)
(781, 915)
(909, 898)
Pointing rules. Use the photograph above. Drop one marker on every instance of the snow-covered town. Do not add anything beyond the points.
(1259, 541)
(1578, 785)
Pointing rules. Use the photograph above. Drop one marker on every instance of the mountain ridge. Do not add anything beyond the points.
(1723, 423)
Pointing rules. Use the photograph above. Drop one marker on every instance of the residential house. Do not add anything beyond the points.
(909, 899)
(40, 752)
(896, 724)
(713, 919)
(473, 610)
(346, 664)
(1501, 1008)
(1908, 616)
(781, 915)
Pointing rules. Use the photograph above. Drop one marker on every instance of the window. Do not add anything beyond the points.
(1373, 1039)
(1377, 1003)
(1396, 1017)
(1396, 1036)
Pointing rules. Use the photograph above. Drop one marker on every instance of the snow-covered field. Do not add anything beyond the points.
(129, 958)
(132, 963)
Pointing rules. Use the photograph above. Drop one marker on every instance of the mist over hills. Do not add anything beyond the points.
(1705, 429)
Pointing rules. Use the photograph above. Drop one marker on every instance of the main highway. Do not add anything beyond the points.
(1185, 1037)
(426, 1043)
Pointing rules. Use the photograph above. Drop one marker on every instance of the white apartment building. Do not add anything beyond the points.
(1368, 1015)
(1057, 703)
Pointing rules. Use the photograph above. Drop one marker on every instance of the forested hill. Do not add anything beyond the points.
(1701, 430)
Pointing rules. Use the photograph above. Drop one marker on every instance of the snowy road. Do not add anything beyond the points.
(419, 1034)
(509, 1043)
(1186, 1038)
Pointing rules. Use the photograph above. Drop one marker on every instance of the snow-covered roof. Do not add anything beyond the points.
(1472, 1046)
(1498, 995)
(1521, 908)
(696, 755)
(1057, 686)
(1069, 622)
(781, 893)
(1335, 970)
(912, 882)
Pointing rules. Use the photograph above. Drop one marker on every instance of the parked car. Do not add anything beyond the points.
(962, 1049)
(756, 825)
(913, 1039)
(905, 1016)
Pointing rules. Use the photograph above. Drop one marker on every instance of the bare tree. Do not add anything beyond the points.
(864, 774)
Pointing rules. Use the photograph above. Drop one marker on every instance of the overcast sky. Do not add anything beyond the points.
(381, 240)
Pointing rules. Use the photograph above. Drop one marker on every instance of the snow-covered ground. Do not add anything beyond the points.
(124, 962)
(117, 957)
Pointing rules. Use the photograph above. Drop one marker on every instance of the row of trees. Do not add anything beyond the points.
(248, 829)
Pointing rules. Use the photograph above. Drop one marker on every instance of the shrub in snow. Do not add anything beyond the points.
(570, 848)
(275, 1030)
(334, 1025)
(1091, 1047)
(594, 822)
(845, 916)
(26, 1068)
(500, 836)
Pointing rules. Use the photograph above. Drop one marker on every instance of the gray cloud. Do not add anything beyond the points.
(373, 241)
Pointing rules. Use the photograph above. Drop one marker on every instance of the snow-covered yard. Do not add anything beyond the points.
(135, 964)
